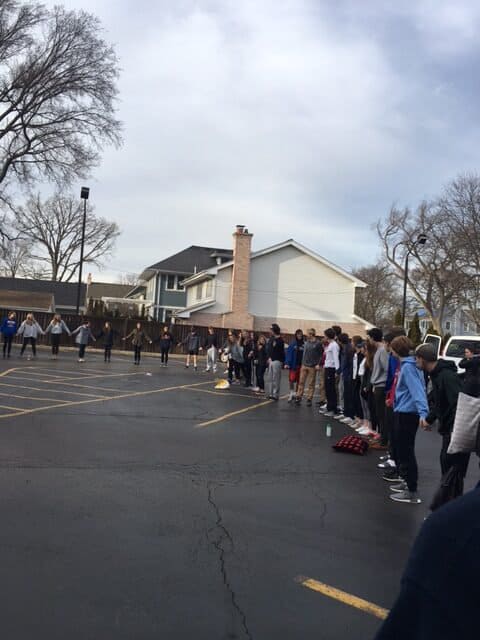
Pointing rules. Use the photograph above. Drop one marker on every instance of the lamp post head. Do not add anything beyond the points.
(422, 238)
(84, 193)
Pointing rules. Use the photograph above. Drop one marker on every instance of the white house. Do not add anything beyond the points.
(286, 283)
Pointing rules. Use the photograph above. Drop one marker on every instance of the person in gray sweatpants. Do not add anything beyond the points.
(276, 360)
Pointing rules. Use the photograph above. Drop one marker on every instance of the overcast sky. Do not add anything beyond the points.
(297, 118)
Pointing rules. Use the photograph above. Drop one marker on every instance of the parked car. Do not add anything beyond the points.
(455, 348)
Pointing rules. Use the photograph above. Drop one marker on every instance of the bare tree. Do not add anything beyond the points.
(53, 227)
(128, 278)
(433, 276)
(459, 206)
(15, 258)
(57, 94)
(378, 302)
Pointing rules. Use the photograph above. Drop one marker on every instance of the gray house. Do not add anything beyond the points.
(456, 322)
(161, 286)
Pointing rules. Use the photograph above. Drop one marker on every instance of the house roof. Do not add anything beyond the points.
(188, 261)
(65, 293)
(276, 247)
(98, 290)
(27, 300)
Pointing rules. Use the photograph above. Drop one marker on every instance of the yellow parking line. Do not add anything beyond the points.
(343, 596)
(231, 414)
(7, 371)
(222, 393)
(69, 393)
(11, 395)
(5, 406)
(74, 403)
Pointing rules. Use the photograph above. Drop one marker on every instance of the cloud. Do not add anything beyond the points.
(296, 118)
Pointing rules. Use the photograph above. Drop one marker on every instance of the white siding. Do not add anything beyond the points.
(290, 284)
(150, 295)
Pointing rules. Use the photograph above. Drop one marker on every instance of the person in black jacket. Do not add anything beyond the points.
(438, 599)
(261, 364)
(108, 335)
(276, 360)
(211, 347)
(166, 343)
(248, 346)
(446, 385)
(471, 364)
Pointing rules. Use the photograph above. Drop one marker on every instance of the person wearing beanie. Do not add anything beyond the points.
(446, 385)
(378, 382)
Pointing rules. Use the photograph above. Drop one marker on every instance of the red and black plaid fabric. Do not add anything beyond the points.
(352, 444)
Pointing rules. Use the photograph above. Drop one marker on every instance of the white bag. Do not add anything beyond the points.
(465, 429)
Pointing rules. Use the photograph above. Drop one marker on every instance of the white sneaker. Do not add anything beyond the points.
(329, 414)
(363, 431)
(348, 421)
(338, 416)
(255, 389)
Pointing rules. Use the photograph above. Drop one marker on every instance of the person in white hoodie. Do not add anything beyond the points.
(56, 327)
(30, 330)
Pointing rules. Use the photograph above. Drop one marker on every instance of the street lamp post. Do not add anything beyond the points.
(421, 240)
(84, 193)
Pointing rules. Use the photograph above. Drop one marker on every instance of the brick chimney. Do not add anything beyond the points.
(242, 243)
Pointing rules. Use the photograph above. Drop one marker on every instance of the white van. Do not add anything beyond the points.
(455, 348)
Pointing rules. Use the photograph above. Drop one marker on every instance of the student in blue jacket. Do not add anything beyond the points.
(9, 329)
(410, 406)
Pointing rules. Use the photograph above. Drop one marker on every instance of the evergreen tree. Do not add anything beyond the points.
(397, 320)
(414, 332)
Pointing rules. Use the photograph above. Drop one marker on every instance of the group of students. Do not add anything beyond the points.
(30, 330)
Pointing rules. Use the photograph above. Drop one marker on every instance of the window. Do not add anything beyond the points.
(448, 326)
(171, 283)
(466, 326)
(209, 289)
(199, 292)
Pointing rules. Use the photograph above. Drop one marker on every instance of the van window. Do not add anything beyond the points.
(456, 348)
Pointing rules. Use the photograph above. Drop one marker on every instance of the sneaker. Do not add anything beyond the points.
(384, 458)
(338, 416)
(207, 369)
(392, 477)
(187, 366)
(410, 497)
(388, 464)
(298, 402)
(291, 397)
(255, 389)
(196, 368)
(309, 403)
(400, 487)
(329, 414)
(323, 410)
(347, 420)
(363, 431)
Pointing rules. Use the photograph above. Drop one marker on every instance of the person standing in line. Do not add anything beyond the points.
(276, 359)
(108, 334)
(471, 381)
(378, 382)
(332, 367)
(322, 398)
(139, 338)
(358, 357)
(166, 344)
(8, 329)
(293, 362)
(260, 364)
(446, 385)
(192, 344)
(84, 334)
(248, 345)
(346, 372)
(56, 327)
(211, 347)
(30, 329)
(234, 352)
(410, 410)
(312, 357)
(338, 378)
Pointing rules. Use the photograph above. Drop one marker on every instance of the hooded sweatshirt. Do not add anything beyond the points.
(57, 328)
(410, 394)
(295, 354)
(30, 330)
(83, 333)
(446, 385)
(471, 383)
(9, 327)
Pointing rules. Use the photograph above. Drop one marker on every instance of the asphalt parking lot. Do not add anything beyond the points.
(139, 502)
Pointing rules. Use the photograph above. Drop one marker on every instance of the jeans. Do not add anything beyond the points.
(321, 385)
(273, 378)
(55, 343)
(379, 397)
(330, 389)
(389, 422)
(137, 353)
(33, 342)
(7, 345)
(308, 376)
(164, 356)
(448, 460)
(233, 368)
(212, 359)
(108, 352)
(406, 426)
(81, 351)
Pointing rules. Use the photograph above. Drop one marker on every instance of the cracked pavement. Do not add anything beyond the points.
(127, 522)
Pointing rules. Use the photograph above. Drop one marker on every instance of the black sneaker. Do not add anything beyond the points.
(392, 477)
